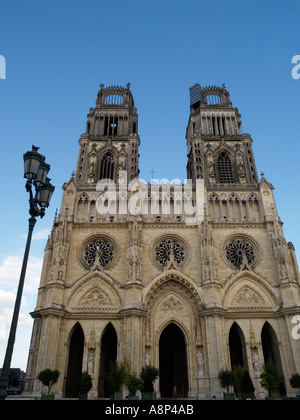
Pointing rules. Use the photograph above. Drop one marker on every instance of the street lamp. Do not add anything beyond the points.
(35, 171)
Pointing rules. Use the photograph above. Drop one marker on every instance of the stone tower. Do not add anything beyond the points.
(131, 273)
(111, 142)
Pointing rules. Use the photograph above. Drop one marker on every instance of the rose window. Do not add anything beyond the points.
(167, 247)
(238, 250)
(98, 251)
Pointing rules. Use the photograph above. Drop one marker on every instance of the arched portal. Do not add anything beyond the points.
(109, 347)
(173, 362)
(75, 361)
(270, 345)
(271, 351)
(237, 346)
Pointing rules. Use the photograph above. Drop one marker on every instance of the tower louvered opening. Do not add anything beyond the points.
(225, 169)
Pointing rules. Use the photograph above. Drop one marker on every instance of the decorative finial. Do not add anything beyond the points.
(262, 174)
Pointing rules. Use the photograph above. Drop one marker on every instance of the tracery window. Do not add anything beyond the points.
(107, 166)
(241, 249)
(113, 100)
(98, 251)
(225, 169)
(168, 246)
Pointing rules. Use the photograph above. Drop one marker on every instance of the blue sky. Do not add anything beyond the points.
(58, 52)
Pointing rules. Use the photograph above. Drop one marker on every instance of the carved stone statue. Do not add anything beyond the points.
(256, 363)
(147, 359)
(91, 363)
(200, 363)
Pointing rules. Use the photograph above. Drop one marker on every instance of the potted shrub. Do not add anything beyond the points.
(270, 379)
(238, 375)
(226, 382)
(48, 378)
(116, 378)
(134, 384)
(85, 385)
(295, 381)
(247, 387)
(148, 375)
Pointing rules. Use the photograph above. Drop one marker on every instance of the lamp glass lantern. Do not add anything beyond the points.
(46, 193)
(32, 162)
(42, 173)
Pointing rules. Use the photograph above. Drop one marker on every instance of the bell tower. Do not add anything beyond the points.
(218, 151)
(111, 140)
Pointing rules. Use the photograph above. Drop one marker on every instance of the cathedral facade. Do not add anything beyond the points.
(190, 278)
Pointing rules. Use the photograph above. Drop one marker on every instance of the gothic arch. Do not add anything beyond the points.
(107, 166)
(270, 344)
(178, 324)
(74, 361)
(109, 352)
(249, 292)
(237, 346)
(214, 197)
(271, 349)
(95, 292)
(173, 363)
(172, 297)
(177, 278)
(82, 205)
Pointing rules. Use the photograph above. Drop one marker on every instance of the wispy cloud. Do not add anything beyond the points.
(39, 235)
(10, 269)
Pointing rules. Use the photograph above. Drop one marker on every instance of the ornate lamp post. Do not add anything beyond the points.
(35, 171)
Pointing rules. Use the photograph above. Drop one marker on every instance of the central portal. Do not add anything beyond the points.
(172, 363)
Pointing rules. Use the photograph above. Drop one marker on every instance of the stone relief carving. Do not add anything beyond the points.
(247, 296)
(171, 304)
(95, 297)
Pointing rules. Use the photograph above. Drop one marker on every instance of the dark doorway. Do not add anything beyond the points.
(74, 362)
(237, 346)
(109, 347)
(271, 351)
(270, 344)
(172, 362)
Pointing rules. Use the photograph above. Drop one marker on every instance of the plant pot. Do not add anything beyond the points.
(245, 395)
(116, 396)
(273, 396)
(149, 396)
(229, 396)
(47, 397)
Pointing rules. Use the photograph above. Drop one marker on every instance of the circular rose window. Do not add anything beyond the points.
(98, 251)
(168, 246)
(239, 250)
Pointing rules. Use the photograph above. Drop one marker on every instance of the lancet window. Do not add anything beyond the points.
(107, 166)
(225, 169)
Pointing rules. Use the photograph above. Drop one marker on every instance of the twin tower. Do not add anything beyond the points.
(149, 283)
